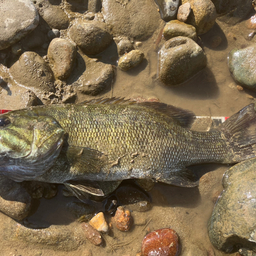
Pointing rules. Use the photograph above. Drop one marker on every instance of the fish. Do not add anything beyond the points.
(93, 146)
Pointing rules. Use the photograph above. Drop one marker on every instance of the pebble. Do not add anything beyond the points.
(124, 46)
(177, 28)
(251, 23)
(99, 222)
(130, 60)
(180, 59)
(18, 21)
(92, 234)
(123, 219)
(241, 63)
(162, 242)
(168, 8)
(183, 12)
(92, 36)
(62, 55)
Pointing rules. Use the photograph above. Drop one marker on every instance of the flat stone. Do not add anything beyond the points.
(16, 22)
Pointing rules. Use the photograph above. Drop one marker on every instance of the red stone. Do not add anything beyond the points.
(123, 219)
(161, 242)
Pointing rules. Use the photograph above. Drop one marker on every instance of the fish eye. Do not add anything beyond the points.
(4, 121)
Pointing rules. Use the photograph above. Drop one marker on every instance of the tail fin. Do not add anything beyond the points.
(240, 133)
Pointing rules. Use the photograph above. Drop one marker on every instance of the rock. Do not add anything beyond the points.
(92, 36)
(177, 28)
(168, 8)
(232, 224)
(53, 33)
(124, 46)
(54, 16)
(61, 54)
(122, 219)
(92, 234)
(124, 17)
(130, 60)
(234, 10)
(180, 59)
(241, 64)
(98, 77)
(99, 223)
(203, 15)
(15, 201)
(251, 23)
(164, 242)
(32, 72)
(183, 12)
(81, 210)
(16, 22)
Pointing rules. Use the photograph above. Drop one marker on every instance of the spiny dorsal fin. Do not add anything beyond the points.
(183, 117)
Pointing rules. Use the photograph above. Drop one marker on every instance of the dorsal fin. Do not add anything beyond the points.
(183, 117)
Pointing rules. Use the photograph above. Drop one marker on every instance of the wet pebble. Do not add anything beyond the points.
(92, 36)
(99, 222)
(61, 54)
(183, 12)
(122, 219)
(241, 64)
(92, 234)
(180, 59)
(162, 242)
(124, 46)
(168, 8)
(177, 28)
(18, 21)
(130, 60)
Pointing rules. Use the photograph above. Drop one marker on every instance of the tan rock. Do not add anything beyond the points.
(99, 222)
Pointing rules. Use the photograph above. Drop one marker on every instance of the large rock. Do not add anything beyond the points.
(232, 224)
(32, 72)
(180, 59)
(203, 15)
(242, 66)
(168, 8)
(61, 55)
(134, 19)
(92, 36)
(17, 19)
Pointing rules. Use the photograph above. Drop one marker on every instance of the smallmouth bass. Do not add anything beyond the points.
(91, 145)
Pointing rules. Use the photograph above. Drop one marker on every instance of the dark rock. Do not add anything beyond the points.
(180, 59)
(92, 36)
(242, 66)
(163, 242)
(177, 28)
(232, 224)
(124, 17)
(130, 60)
(168, 8)
(16, 22)
(61, 55)
(79, 209)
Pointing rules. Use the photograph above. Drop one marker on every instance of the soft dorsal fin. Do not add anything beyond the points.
(183, 117)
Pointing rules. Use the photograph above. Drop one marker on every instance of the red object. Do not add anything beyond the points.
(2, 111)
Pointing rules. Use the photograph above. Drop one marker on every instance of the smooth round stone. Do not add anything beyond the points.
(17, 19)
(180, 59)
(203, 15)
(241, 64)
(161, 242)
(177, 28)
(61, 54)
(130, 60)
(92, 234)
(92, 36)
(168, 8)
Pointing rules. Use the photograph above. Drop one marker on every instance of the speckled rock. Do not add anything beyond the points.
(124, 17)
(164, 242)
(177, 28)
(32, 72)
(15, 201)
(99, 222)
(203, 15)
(18, 21)
(242, 66)
(61, 54)
(180, 59)
(130, 60)
(183, 12)
(123, 219)
(92, 36)
(232, 224)
(92, 234)
(168, 8)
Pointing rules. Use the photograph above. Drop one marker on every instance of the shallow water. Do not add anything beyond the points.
(212, 92)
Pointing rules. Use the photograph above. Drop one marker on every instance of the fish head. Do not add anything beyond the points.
(29, 144)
